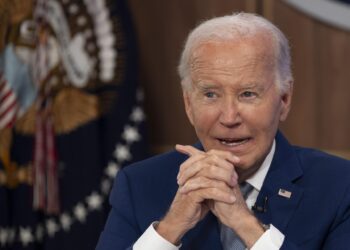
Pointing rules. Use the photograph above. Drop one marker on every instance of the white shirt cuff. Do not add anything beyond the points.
(151, 240)
(272, 239)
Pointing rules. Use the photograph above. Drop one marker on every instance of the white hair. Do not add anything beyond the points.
(231, 28)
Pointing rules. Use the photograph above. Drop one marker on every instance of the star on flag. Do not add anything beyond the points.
(131, 134)
(122, 153)
(25, 235)
(94, 201)
(52, 227)
(3, 236)
(137, 115)
(112, 170)
(66, 222)
(80, 212)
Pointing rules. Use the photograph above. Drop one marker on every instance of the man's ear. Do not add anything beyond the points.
(286, 101)
(188, 105)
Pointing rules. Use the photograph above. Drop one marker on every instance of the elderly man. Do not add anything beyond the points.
(243, 186)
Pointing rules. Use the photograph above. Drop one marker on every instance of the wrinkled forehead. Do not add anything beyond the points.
(259, 49)
(260, 36)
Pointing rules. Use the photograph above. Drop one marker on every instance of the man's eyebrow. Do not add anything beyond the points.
(253, 85)
(207, 85)
(250, 85)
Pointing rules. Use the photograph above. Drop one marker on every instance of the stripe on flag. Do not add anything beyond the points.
(8, 104)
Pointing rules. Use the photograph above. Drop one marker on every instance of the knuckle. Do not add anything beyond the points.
(215, 192)
(188, 186)
(221, 185)
(204, 181)
(196, 167)
(212, 160)
(215, 157)
(182, 167)
(212, 169)
(198, 157)
(215, 151)
(200, 179)
(210, 152)
(217, 185)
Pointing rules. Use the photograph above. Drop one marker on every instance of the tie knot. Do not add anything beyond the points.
(246, 188)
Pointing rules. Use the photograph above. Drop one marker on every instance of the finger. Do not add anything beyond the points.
(225, 155)
(211, 166)
(197, 183)
(223, 163)
(228, 156)
(188, 150)
(189, 170)
(220, 162)
(189, 163)
(212, 194)
(211, 172)
(202, 182)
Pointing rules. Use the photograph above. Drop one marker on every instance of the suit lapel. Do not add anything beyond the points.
(283, 196)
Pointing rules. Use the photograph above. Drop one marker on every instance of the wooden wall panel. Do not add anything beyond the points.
(301, 125)
(333, 61)
(321, 55)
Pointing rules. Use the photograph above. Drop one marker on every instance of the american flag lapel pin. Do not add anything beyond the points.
(284, 193)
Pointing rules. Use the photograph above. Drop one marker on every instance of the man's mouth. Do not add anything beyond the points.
(233, 142)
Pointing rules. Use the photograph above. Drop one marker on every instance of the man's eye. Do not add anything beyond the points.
(248, 94)
(209, 94)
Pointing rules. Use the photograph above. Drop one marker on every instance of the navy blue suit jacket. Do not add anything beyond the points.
(316, 216)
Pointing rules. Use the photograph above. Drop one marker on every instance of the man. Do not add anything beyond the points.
(237, 87)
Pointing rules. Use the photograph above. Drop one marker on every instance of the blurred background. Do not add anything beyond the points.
(89, 86)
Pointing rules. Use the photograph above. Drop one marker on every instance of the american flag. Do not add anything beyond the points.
(8, 104)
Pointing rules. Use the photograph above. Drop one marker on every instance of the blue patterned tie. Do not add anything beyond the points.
(229, 239)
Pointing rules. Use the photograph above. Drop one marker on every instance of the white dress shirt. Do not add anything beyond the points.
(272, 239)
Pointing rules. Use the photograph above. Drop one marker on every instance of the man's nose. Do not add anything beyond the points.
(230, 115)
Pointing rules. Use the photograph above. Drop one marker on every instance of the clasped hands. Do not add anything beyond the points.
(208, 182)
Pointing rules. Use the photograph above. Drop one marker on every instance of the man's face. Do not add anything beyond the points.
(234, 103)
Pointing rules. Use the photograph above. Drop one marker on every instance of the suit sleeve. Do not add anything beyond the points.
(121, 229)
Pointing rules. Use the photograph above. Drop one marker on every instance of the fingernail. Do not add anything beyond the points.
(179, 145)
(234, 175)
(233, 181)
(232, 198)
(236, 158)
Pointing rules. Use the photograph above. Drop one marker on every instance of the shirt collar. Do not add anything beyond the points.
(258, 178)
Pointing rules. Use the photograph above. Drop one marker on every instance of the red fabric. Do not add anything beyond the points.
(45, 177)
